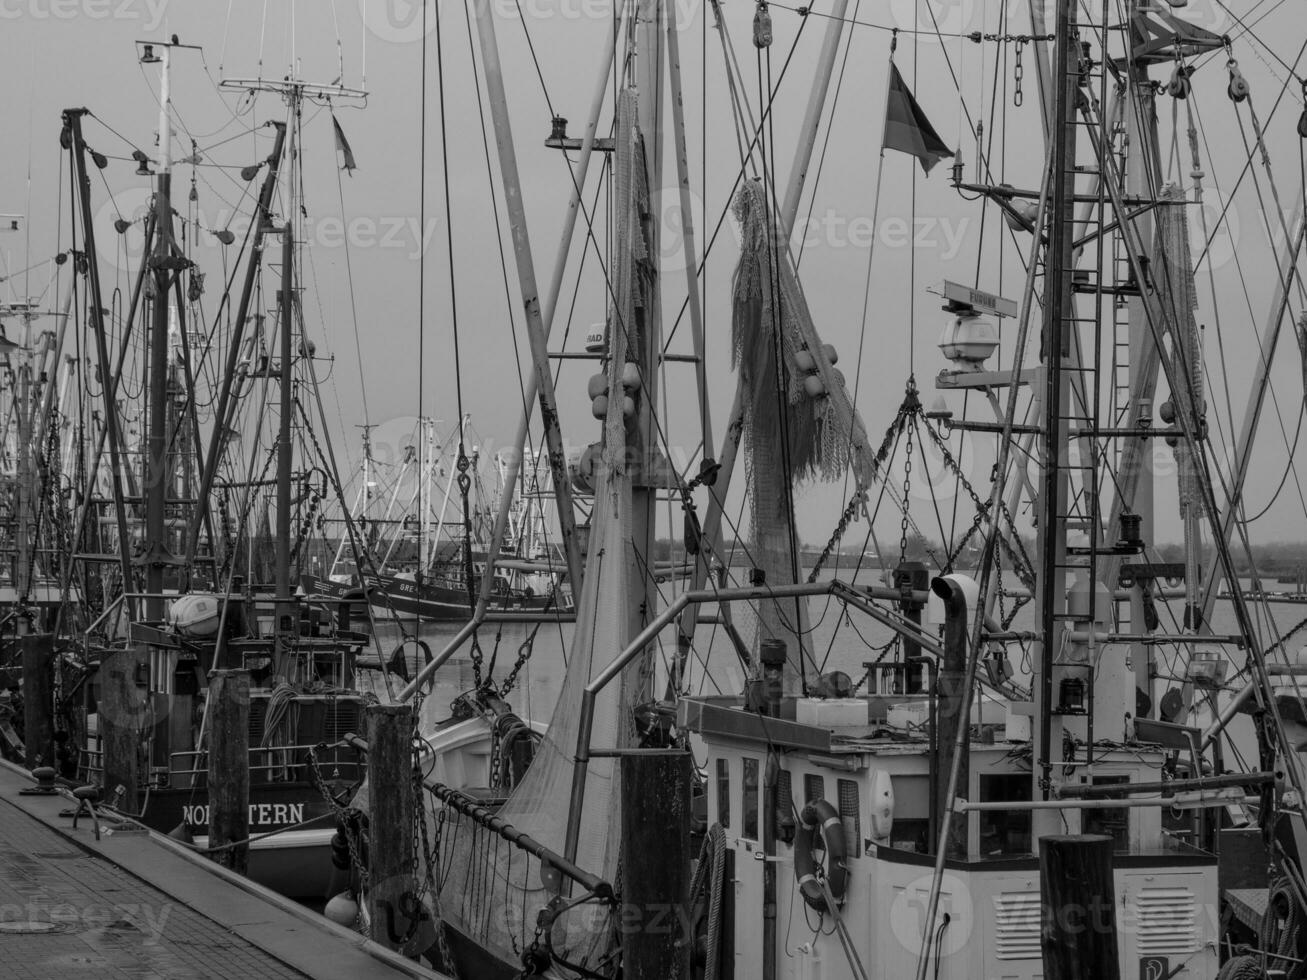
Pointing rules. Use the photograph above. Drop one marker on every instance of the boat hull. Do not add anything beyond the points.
(295, 862)
(392, 597)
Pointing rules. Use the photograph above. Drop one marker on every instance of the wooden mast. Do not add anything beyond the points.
(544, 380)
(163, 266)
(285, 454)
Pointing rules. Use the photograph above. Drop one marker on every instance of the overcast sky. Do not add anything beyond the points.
(59, 53)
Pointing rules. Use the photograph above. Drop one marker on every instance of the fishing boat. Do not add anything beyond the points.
(908, 817)
(172, 519)
(421, 570)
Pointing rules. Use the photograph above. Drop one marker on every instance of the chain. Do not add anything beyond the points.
(343, 819)
(907, 489)
(1302, 624)
(1010, 38)
(966, 540)
(856, 502)
(524, 652)
(1018, 72)
(1020, 559)
(478, 658)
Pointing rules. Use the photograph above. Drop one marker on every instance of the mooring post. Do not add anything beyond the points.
(1078, 901)
(38, 699)
(396, 917)
(123, 715)
(655, 807)
(229, 767)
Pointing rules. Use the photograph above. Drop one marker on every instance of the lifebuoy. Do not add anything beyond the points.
(819, 817)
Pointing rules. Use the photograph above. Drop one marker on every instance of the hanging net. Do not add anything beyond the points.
(799, 420)
(489, 890)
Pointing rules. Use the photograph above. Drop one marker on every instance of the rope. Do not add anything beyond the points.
(708, 883)
(1283, 921)
(1246, 967)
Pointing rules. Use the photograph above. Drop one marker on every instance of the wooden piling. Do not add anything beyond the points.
(123, 716)
(391, 888)
(655, 807)
(229, 767)
(38, 699)
(1078, 902)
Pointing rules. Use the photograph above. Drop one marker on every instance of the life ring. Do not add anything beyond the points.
(819, 817)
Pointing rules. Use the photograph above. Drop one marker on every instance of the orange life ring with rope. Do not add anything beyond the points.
(820, 818)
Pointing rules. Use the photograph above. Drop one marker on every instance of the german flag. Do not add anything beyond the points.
(906, 127)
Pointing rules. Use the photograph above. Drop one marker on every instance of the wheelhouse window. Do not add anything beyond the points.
(724, 792)
(814, 787)
(749, 806)
(1004, 832)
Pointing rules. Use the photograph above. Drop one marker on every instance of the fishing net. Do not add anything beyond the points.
(799, 420)
(1177, 293)
(490, 891)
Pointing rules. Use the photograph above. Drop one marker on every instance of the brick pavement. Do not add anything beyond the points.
(66, 914)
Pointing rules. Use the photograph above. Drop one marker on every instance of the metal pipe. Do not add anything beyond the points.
(834, 587)
(1007, 806)
(1088, 792)
(629, 653)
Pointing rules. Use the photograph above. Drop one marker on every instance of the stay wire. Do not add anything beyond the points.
(422, 253)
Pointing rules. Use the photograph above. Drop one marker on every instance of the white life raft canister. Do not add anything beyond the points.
(196, 614)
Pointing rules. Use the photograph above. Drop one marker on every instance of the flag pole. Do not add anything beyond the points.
(880, 166)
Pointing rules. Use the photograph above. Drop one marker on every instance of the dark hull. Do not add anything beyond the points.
(429, 601)
(295, 862)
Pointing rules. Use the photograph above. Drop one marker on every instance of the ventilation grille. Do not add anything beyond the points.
(850, 815)
(258, 713)
(1016, 925)
(1166, 921)
(814, 787)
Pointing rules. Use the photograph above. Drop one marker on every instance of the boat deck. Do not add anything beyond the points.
(130, 906)
(1248, 905)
